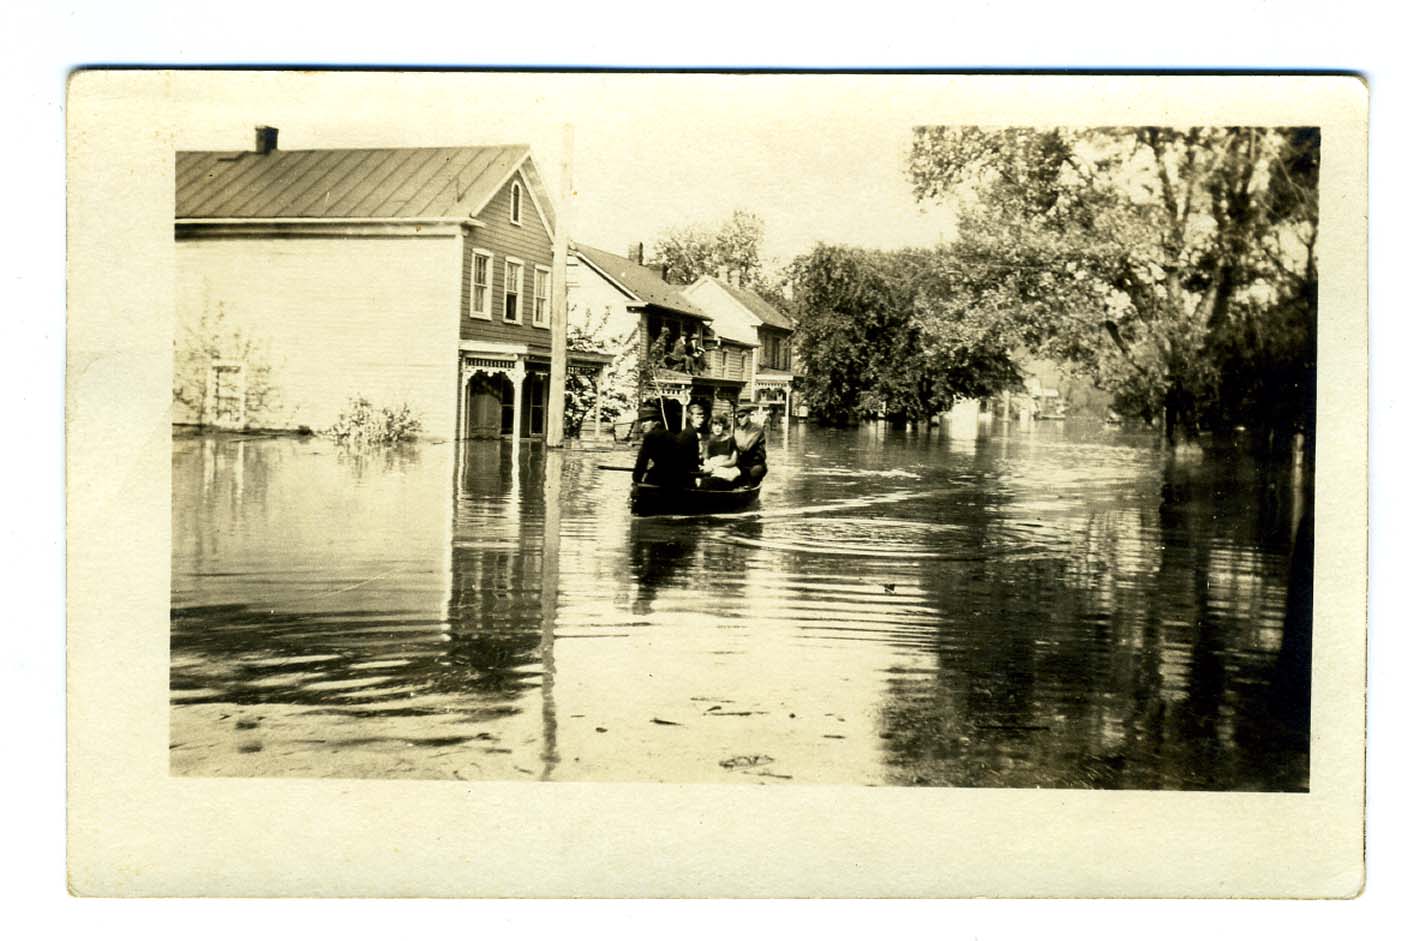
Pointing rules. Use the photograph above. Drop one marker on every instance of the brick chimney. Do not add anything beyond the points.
(635, 253)
(264, 139)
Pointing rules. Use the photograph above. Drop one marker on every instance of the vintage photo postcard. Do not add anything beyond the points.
(704, 484)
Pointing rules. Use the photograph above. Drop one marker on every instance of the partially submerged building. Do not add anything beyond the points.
(742, 313)
(415, 276)
(635, 314)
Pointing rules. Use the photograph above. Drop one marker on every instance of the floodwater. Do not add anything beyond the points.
(1057, 606)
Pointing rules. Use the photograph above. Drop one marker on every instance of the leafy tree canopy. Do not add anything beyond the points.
(1175, 267)
(688, 253)
(889, 333)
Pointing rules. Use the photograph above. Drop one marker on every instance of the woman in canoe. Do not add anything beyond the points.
(718, 470)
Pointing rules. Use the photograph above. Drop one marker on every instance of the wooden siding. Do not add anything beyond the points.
(730, 361)
(530, 242)
(775, 348)
(332, 318)
(597, 305)
(736, 361)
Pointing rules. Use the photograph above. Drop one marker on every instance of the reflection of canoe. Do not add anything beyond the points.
(652, 500)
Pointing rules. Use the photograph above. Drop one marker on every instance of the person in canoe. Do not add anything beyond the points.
(667, 457)
(698, 425)
(750, 455)
(718, 470)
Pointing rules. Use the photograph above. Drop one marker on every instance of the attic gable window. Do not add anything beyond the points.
(515, 203)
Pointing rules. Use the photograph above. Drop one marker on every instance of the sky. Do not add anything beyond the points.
(818, 158)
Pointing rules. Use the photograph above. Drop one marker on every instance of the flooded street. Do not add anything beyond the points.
(1062, 606)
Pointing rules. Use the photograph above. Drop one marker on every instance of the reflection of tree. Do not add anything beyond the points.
(1290, 680)
(388, 651)
(373, 460)
(214, 479)
(1139, 653)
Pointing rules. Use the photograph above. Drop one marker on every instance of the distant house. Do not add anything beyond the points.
(743, 313)
(638, 316)
(418, 276)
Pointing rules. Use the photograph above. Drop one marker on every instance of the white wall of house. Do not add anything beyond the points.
(335, 318)
(596, 304)
(730, 319)
(729, 316)
(595, 301)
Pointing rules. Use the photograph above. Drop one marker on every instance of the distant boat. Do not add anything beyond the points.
(652, 500)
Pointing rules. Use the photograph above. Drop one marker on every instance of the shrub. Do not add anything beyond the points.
(362, 423)
(580, 395)
(216, 337)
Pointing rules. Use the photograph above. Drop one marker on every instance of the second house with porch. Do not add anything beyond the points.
(743, 314)
(662, 343)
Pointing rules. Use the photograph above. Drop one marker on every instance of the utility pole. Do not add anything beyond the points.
(559, 298)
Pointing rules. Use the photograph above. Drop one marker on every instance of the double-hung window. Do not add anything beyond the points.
(511, 302)
(481, 296)
(540, 314)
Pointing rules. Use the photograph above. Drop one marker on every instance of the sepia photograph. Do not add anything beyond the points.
(758, 432)
(1003, 481)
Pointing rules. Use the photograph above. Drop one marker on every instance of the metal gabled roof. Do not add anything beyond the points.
(639, 281)
(407, 182)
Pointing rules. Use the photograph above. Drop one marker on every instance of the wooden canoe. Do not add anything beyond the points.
(652, 500)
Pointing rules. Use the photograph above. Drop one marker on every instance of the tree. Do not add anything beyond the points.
(211, 339)
(1144, 255)
(885, 333)
(732, 248)
(582, 391)
(838, 295)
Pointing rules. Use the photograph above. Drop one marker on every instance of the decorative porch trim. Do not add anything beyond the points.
(478, 358)
(668, 389)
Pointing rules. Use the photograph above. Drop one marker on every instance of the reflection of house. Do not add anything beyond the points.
(418, 276)
(742, 313)
(638, 317)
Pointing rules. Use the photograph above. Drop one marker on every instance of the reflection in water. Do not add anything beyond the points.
(1053, 607)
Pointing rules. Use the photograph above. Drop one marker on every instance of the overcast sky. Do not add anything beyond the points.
(818, 158)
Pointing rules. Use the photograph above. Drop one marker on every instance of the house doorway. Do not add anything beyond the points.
(506, 395)
(488, 406)
(536, 401)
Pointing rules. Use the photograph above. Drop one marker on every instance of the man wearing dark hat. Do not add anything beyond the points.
(751, 456)
(663, 459)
